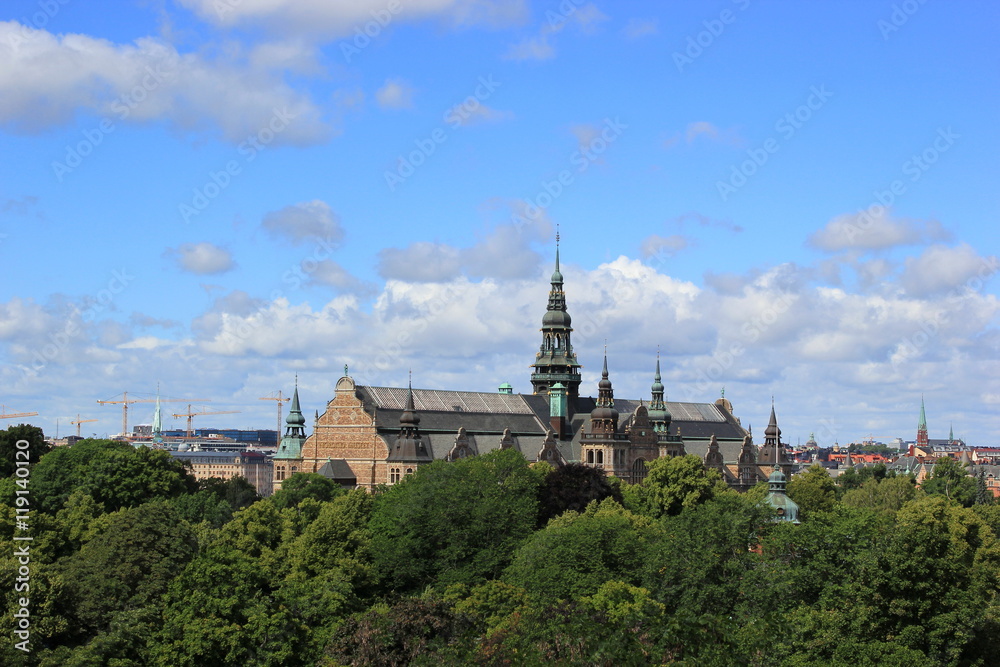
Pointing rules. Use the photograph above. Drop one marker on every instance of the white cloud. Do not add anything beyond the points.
(504, 253)
(837, 358)
(466, 115)
(46, 80)
(338, 19)
(941, 268)
(533, 47)
(586, 18)
(306, 221)
(668, 246)
(637, 28)
(874, 229)
(422, 261)
(395, 94)
(202, 258)
(705, 129)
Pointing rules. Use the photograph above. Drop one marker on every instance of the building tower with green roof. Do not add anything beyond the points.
(555, 360)
(288, 458)
(659, 416)
(787, 509)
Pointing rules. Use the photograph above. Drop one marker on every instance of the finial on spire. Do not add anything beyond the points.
(345, 370)
(557, 247)
(724, 391)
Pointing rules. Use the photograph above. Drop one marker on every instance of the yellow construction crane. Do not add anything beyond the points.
(190, 417)
(14, 415)
(79, 421)
(280, 399)
(126, 401)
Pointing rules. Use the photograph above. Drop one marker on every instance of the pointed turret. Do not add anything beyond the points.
(659, 416)
(773, 452)
(604, 417)
(410, 446)
(290, 446)
(555, 360)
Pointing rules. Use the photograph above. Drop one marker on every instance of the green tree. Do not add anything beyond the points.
(575, 553)
(9, 449)
(408, 632)
(127, 567)
(676, 483)
(114, 473)
(889, 495)
(950, 479)
(454, 522)
(933, 585)
(702, 563)
(572, 487)
(813, 490)
(304, 485)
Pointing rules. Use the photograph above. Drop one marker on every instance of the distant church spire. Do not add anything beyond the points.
(555, 361)
(922, 440)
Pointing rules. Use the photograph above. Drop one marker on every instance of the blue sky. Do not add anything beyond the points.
(793, 200)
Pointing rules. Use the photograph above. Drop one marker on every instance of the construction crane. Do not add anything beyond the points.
(79, 421)
(126, 401)
(14, 415)
(280, 399)
(190, 417)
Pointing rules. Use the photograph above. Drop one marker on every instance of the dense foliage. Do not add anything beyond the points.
(492, 561)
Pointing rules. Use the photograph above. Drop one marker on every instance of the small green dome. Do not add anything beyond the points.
(556, 318)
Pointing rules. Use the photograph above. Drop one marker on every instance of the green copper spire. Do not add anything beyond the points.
(290, 446)
(923, 416)
(557, 275)
(295, 417)
(659, 417)
(951, 433)
(555, 360)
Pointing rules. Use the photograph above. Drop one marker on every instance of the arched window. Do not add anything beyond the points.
(409, 471)
(590, 456)
(600, 456)
(638, 471)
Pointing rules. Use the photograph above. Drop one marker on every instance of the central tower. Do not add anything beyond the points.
(555, 360)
